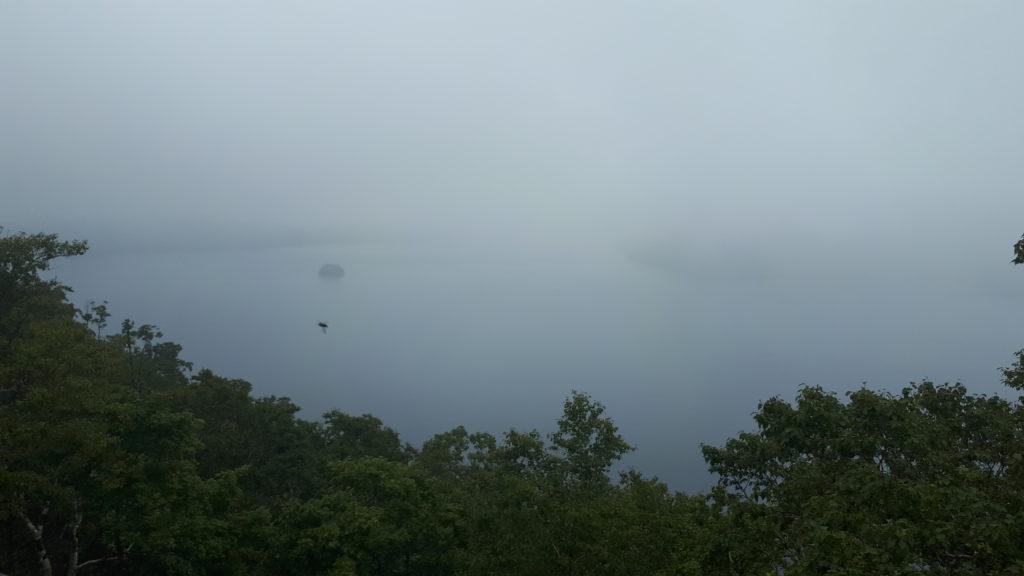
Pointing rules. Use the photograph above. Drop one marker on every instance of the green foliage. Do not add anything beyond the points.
(375, 517)
(588, 441)
(878, 484)
(116, 459)
(87, 461)
(153, 366)
(348, 436)
(23, 257)
(280, 453)
(95, 315)
(532, 507)
(1014, 375)
(25, 297)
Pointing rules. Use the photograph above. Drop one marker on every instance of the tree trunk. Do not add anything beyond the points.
(45, 567)
(73, 556)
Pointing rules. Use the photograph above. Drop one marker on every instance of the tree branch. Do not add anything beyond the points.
(96, 561)
(45, 567)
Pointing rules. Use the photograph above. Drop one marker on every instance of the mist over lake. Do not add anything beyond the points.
(428, 338)
(681, 208)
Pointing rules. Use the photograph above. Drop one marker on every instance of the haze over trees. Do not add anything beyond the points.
(116, 457)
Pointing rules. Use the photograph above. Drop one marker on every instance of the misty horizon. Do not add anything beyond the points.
(681, 208)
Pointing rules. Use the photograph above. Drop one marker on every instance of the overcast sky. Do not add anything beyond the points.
(869, 145)
(860, 123)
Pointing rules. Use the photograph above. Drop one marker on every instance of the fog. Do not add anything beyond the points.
(681, 208)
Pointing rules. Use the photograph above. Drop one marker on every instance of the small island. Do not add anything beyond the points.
(331, 271)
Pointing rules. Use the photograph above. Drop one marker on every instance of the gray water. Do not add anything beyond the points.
(428, 338)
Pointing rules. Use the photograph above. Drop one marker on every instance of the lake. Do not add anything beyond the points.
(428, 338)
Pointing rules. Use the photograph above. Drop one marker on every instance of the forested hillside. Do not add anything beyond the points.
(117, 458)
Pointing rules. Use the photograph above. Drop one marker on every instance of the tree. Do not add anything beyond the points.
(377, 517)
(587, 441)
(530, 505)
(928, 479)
(348, 436)
(95, 315)
(92, 473)
(26, 298)
(282, 455)
(23, 258)
(152, 365)
(91, 470)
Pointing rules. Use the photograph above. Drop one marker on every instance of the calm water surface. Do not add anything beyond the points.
(427, 339)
